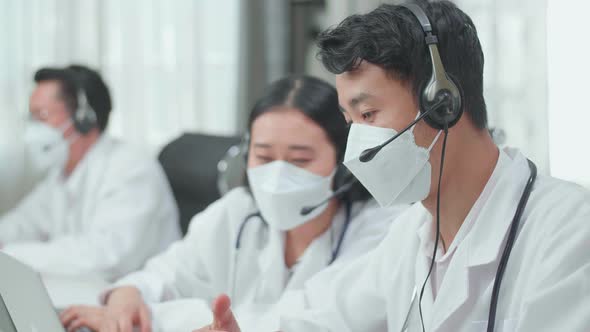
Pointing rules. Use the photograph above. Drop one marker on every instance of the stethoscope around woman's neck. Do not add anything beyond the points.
(304, 211)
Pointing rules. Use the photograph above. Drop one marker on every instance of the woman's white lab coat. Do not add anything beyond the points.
(204, 264)
(106, 219)
(546, 286)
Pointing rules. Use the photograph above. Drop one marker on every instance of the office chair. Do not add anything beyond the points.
(192, 165)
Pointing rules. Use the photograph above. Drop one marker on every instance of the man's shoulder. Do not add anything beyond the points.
(556, 207)
(113, 164)
(550, 193)
(122, 151)
(118, 156)
(403, 233)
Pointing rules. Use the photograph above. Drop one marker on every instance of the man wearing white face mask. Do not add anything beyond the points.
(256, 244)
(492, 246)
(83, 218)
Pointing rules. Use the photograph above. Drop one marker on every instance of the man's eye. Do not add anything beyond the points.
(368, 116)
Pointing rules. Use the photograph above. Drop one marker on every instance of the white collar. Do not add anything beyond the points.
(427, 229)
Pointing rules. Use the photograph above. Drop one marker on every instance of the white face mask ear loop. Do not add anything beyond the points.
(434, 140)
(416, 117)
(66, 125)
(73, 138)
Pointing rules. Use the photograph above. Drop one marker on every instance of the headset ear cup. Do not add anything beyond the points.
(84, 116)
(341, 177)
(84, 120)
(245, 147)
(452, 109)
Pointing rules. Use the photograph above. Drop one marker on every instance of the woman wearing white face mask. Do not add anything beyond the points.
(255, 244)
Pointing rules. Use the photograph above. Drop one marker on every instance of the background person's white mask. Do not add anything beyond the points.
(46, 146)
(281, 190)
(399, 173)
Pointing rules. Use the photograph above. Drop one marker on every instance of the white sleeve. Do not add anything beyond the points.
(367, 230)
(131, 211)
(26, 221)
(352, 301)
(558, 299)
(188, 268)
(156, 281)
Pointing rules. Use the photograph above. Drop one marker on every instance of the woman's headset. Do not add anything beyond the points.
(440, 91)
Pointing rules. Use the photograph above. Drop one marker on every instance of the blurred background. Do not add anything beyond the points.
(178, 66)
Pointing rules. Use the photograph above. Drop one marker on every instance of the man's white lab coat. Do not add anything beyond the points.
(546, 286)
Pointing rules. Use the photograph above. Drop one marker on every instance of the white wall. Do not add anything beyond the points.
(172, 66)
(569, 83)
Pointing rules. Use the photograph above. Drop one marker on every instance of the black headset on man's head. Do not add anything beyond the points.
(440, 98)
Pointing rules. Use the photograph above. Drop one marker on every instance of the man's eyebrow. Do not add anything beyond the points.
(354, 102)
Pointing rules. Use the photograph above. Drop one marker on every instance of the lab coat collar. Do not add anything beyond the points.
(272, 267)
(421, 271)
(67, 192)
(487, 238)
(72, 182)
(78, 175)
(492, 214)
(316, 257)
(275, 279)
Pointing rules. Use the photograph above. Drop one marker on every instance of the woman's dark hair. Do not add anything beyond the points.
(318, 100)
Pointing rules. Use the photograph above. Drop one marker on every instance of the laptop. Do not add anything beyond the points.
(6, 324)
(24, 303)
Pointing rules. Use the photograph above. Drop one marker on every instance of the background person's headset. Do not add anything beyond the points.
(83, 116)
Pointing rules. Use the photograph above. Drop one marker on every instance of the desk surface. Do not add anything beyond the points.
(67, 291)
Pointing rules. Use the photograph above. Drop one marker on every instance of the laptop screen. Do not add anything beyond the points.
(6, 324)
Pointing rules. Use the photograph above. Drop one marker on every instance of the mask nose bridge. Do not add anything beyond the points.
(275, 174)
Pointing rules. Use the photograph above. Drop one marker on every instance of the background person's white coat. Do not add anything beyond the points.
(546, 286)
(202, 265)
(114, 212)
(16, 177)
